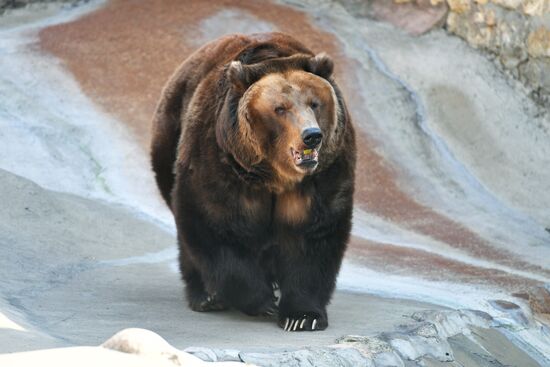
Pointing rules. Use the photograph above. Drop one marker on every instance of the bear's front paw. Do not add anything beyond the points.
(269, 308)
(306, 321)
(207, 303)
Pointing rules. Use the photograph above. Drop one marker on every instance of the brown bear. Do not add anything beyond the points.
(254, 152)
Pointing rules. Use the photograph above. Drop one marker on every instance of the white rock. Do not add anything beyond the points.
(147, 343)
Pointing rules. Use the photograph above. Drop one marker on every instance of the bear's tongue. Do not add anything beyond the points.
(305, 156)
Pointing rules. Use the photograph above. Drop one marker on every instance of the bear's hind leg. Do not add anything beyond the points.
(215, 263)
(242, 283)
(198, 298)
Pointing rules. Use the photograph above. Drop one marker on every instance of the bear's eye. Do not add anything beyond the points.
(314, 105)
(280, 110)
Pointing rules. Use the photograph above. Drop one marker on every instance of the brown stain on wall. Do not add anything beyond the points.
(123, 53)
(396, 260)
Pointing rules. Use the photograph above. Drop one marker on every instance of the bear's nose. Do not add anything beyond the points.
(312, 137)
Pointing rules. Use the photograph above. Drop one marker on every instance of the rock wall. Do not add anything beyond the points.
(516, 33)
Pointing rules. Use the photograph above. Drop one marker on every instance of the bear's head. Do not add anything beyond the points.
(284, 116)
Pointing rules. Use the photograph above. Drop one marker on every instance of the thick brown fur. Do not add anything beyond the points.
(247, 215)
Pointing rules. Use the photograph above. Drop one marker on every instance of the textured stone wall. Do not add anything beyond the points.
(515, 33)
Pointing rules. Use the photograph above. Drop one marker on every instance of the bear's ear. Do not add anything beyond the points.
(322, 65)
(234, 134)
(239, 76)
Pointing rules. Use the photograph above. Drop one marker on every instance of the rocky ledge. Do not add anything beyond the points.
(460, 338)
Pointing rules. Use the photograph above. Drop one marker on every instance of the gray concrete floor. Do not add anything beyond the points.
(73, 278)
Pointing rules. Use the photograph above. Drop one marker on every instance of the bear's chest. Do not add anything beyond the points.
(288, 208)
(292, 207)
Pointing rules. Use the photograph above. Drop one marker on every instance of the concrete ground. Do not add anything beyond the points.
(79, 271)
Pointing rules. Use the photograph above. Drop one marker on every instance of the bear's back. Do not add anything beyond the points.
(248, 49)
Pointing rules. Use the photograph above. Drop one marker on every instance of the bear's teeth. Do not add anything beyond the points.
(309, 154)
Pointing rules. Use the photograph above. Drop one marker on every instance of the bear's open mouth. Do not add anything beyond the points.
(307, 157)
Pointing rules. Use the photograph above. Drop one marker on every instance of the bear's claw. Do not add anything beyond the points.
(299, 324)
(272, 310)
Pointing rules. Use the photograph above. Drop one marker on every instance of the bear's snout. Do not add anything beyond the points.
(312, 137)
